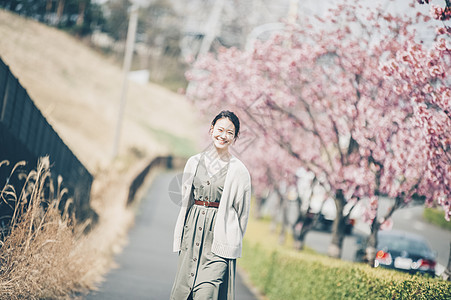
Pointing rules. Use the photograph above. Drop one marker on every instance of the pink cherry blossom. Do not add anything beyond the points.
(369, 119)
(436, 11)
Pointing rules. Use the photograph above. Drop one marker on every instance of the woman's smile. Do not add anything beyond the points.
(223, 133)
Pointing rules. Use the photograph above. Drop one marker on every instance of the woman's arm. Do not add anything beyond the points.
(243, 208)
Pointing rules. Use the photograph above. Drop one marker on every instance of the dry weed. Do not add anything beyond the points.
(39, 257)
(46, 254)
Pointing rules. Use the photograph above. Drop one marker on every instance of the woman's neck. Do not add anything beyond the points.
(222, 154)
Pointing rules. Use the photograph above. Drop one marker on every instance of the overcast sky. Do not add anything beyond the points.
(308, 7)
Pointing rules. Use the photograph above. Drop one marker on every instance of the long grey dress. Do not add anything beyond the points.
(202, 274)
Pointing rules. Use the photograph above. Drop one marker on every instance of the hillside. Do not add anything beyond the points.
(78, 91)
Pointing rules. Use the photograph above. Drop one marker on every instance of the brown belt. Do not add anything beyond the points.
(206, 203)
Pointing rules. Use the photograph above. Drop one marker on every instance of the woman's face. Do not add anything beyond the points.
(223, 133)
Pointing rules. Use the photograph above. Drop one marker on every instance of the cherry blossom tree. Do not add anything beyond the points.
(421, 75)
(317, 97)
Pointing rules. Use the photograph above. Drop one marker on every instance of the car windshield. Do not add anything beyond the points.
(402, 243)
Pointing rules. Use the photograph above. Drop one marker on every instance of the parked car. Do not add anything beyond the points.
(402, 251)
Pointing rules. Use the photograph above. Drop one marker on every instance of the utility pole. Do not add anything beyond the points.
(212, 29)
(293, 11)
(213, 26)
(129, 46)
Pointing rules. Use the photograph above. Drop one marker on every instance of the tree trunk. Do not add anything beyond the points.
(339, 227)
(48, 10)
(447, 274)
(259, 201)
(302, 226)
(81, 13)
(370, 251)
(283, 229)
(298, 225)
(13, 5)
(60, 11)
(371, 247)
(305, 222)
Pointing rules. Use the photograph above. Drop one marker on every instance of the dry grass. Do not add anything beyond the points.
(42, 257)
(47, 255)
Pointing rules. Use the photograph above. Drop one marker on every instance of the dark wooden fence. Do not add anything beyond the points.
(165, 162)
(25, 135)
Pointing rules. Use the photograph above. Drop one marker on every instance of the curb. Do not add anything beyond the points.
(247, 282)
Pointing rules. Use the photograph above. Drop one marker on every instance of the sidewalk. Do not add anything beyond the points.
(147, 266)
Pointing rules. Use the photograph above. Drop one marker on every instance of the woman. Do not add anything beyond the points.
(216, 190)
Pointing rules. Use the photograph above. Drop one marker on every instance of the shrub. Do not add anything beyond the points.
(282, 273)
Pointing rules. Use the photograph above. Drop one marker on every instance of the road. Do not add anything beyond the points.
(147, 266)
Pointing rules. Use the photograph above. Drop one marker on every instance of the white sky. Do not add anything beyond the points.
(309, 7)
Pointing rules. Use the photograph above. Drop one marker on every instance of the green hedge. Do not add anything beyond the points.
(285, 274)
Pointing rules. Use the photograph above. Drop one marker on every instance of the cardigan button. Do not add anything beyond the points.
(192, 274)
(203, 212)
(194, 259)
(197, 244)
(200, 228)
(208, 182)
(206, 198)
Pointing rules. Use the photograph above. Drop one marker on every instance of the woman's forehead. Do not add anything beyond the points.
(225, 123)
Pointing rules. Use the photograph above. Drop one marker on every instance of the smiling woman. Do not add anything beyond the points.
(216, 189)
(224, 131)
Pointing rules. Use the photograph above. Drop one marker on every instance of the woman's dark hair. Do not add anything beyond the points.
(231, 116)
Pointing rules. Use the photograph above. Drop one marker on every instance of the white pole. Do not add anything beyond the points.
(129, 46)
(213, 27)
(293, 11)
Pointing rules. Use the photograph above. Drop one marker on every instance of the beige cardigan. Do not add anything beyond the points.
(233, 211)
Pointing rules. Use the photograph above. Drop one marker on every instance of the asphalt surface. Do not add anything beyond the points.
(147, 265)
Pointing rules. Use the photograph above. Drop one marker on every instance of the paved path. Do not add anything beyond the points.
(147, 265)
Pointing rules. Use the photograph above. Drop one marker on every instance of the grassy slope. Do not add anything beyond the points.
(78, 90)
